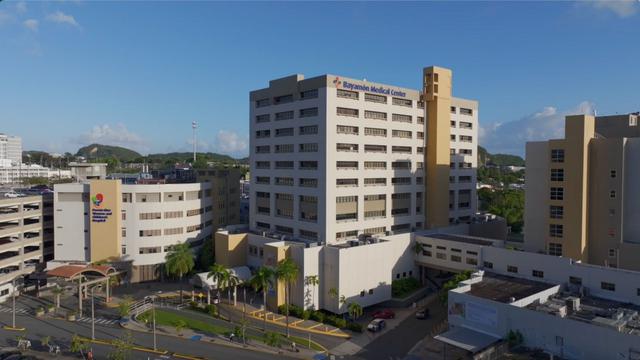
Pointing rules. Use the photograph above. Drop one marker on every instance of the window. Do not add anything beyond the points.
(312, 147)
(263, 118)
(284, 132)
(557, 174)
(263, 149)
(265, 180)
(465, 151)
(575, 280)
(612, 252)
(613, 174)
(556, 230)
(465, 125)
(420, 119)
(376, 115)
(346, 94)
(306, 234)
(262, 103)
(284, 164)
(375, 98)
(150, 216)
(309, 94)
(472, 261)
(633, 120)
(556, 212)
(456, 258)
(346, 234)
(612, 194)
(464, 111)
(347, 165)
(400, 165)
(401, 149)
(150, 250)
(263, 165)
(375, 148)
(401, 134)
(263, 134)
(155, 232)
(346, 147)
(309, 112)
(350, 130)
(347, 112)
(284, 229)
(441, 256)
(346, 182)
(401, 181)
(308, 165)
(555, 249)
(308, 130)
(308, 182)
(285, 115)
(380, 165)
(453, 109)
(401, 102)
(284, 148)
(466, 138)
(374, 181)
(284, 181)
(608, 286)
(401, 118)
(453, 123)
(557, 193)
(420, 135)
(557, 155)
(375, 132)
(511, 268)
(283, 99)
(537, 273)
(487, 265)
(452, 137)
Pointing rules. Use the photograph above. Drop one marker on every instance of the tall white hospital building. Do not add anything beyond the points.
(333, 157)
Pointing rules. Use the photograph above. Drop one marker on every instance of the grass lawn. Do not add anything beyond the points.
(167, 318)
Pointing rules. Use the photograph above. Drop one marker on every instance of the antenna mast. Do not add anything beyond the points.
(194, 126)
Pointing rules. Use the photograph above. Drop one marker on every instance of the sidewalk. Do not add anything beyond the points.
(294, 322)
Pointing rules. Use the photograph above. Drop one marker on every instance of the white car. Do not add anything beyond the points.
(11, 194)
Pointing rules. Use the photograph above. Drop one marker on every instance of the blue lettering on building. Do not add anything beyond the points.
(373, 89)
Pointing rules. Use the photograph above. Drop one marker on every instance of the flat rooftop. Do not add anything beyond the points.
(460, 238)
(503, 288)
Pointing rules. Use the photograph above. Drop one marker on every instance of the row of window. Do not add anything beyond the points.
(378, 165)
(170, 231)
(288, 98)
(287, 115)
(382, 149)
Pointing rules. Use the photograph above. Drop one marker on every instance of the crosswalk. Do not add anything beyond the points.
(99, 321)
(18, 310)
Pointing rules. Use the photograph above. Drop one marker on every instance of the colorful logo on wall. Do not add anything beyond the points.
(97, 199)
(337, 81)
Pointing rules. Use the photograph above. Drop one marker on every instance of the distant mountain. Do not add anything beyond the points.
(485, 158)
(94, 151)
(178, 157)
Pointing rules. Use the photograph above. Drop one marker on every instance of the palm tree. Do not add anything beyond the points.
(313, 280)
(57, 291)
(287, 271)
(342, 301)
(219, 273)
(355, 310)
(179, 262)
(261, 281)
(231, 282)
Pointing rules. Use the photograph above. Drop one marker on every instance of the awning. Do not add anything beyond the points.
(467, 339)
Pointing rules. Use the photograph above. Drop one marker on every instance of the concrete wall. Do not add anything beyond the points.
(536, 197)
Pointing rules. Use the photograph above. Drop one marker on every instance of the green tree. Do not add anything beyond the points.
(452, 284)
(231, 282)
(219, 273)
(355, 310)
(205, 255)
(122, 347)
(272, 339)
(287, 272)
(261, 281)
(179, 262)
(124, 306)
(78, 345)
(179, 325)
(45, 340)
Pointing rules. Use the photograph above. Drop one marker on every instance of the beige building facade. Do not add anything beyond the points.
(581, 195)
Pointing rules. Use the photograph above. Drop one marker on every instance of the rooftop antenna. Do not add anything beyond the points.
(194, 126)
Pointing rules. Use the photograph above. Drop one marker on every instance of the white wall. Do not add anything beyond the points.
(71, 224)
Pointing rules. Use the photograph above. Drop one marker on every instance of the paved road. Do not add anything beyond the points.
(61, 332)
(396, 343)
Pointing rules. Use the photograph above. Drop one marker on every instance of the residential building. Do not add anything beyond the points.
(11, 149)
(21, 240)
(333, 158)
(581, 200)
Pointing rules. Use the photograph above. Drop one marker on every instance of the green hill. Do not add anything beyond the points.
(94, 151)
(485, 158)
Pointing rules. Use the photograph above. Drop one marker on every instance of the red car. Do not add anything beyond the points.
(384, 314)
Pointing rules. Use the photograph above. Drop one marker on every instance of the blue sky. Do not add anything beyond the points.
(137, 73)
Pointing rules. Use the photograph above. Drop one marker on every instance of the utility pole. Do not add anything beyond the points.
(153, 312)
(13, 320)
(93, 318)
(194, 126)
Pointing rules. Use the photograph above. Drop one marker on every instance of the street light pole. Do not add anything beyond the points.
(153, 312)
(93, 319)
(13, 297)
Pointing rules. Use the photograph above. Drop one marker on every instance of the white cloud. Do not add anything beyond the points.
(21, 7)
(31, 24)
(622, 8)
(229, 142)
(118, 135)
(62, 18)
(511, 137)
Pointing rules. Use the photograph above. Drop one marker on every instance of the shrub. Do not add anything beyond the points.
(318, 316)
(212, 310)
(294, 310)
(306, 315)
(403, 287)
(340, 323)
(355, 327)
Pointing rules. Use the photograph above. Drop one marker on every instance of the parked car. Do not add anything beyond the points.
(422, 313)
(12, 194)
(376, 325)
(384, 314)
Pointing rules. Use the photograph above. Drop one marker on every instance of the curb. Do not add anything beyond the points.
(311, 330)
(11, 328)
